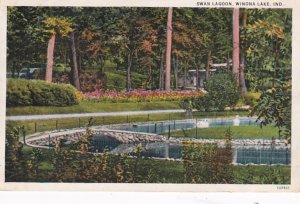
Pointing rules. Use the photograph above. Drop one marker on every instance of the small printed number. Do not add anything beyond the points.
(283, 187)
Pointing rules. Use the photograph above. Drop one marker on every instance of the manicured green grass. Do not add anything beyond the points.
(32, 126)
(53, 124)
(92, 107)
(244, 132)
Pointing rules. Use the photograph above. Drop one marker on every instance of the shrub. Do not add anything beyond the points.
(221, 93)
(16, 168)
(115, 81)
(207, 163)
(138, 80)
(251, 98)
(18, 93)
(91, 81)
(35, 92)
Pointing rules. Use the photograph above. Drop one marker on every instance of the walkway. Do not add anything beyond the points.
(78, 115)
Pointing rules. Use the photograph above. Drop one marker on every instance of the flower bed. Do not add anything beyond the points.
(138, 95)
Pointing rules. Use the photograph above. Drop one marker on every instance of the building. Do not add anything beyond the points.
(191, 80)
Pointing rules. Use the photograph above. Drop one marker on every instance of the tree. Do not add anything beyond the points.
(16, 168)
(53, 26)
(24, 43)
(269, 66)
(75, 76)
(243, 59)
(168, 50)
(236, 43)
(222, 92)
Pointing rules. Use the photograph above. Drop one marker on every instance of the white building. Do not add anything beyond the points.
(191, 81)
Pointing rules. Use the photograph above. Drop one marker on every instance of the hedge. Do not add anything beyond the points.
(22, 92)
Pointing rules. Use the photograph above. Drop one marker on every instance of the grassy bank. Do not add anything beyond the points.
(245, 132)
(53, 124)
(32, 126)
(91, 107)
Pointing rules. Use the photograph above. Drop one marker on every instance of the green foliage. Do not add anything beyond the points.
(261, 175)
(115, 81)
(63, 165)
(35, 161)
(18, 93)
(186, 103)
(16, 168)
(54, 25)
(39, 93)
(138, 80)
(269, 65)
(274, 106)
(222, 93)
(207, 163)
(251, 98)
(91, 81)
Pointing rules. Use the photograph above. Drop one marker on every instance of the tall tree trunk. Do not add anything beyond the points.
(175, 65)
(197, 75)
(243, 60)
(150, 76)
(236, 43)
(101, 63)
(185, 77)
(228, 64)
(50, 55)
(77, 44)
(129, 70)
(168, 50)
(75, 75)
(277, 47)
(185, 72)
(161, 72)
(207, 65)
(242, 75)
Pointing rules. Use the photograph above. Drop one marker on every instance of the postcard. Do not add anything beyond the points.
(176, 96)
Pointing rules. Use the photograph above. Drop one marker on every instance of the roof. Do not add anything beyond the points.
(202, 70)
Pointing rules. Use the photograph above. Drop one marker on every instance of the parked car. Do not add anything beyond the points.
(30, 73)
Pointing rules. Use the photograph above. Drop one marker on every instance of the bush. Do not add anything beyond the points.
(251, 98)
(222, 93)
(115, 81)
(18, 93)
(207, 163)
(39, 93)
(91, 81)
(118, 81)
(138, 80)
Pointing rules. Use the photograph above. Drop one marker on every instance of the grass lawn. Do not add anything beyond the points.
(53, 124)
(244, 132)
(92, 107)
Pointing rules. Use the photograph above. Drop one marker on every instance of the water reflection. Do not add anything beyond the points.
(241, 155)
(165, 126)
